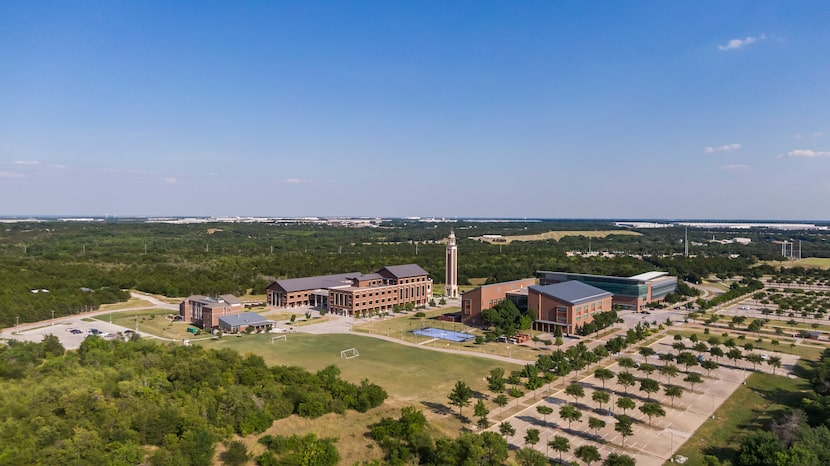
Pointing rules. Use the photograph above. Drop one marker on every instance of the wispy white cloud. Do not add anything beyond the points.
(294, 181)
(736, 44)
(806, 153)
(31, 165)
(736, 166)
(11, 175)
(127, 171)
(170, 180)
(723, 148)
(814, 134)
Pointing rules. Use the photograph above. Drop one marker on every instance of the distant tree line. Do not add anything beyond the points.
(67, 259)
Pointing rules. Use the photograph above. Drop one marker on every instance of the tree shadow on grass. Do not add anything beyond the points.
(724, 454)
(437, 408)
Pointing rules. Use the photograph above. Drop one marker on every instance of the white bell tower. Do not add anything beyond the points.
(451, 290)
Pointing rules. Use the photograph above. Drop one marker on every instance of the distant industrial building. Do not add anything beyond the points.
(355, 293)
(568, 305)
(630, 293)
(487, 296)
(205, 311)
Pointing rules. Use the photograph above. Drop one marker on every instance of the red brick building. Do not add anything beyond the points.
(487, 296)
(205, 312)
(355, 293)
(568, 305)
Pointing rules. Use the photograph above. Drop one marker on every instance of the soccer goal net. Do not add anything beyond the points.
(278, 338)
(349, 353)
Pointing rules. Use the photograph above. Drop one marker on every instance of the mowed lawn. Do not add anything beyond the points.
(750, 408)
(409, 374)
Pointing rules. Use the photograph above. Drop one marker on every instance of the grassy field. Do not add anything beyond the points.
(750, 408)
(716, 284)
(152, 321)
(401, 327)
(132, 302)
(554, 235)
(411, 376)
(815, 262)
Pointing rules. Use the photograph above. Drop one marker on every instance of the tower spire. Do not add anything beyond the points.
(451, 290)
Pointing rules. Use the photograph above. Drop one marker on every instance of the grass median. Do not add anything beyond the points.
(750, 408)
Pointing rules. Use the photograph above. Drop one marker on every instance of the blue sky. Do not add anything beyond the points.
(486, 109)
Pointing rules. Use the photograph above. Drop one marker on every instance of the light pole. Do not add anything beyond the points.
(53, 317)
(17, 321)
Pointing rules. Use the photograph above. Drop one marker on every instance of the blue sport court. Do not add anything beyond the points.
(443, 334)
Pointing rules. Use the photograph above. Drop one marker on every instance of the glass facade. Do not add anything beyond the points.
(617, 285)
(627, 290)
(663, 287)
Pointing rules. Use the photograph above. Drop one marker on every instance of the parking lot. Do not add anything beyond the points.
(651, 444)
(63, 330)
(652, 316)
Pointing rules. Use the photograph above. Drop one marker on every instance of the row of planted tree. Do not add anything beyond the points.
(688, 353)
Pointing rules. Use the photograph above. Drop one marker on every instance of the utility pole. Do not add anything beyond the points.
(53, 317)
(17, 321)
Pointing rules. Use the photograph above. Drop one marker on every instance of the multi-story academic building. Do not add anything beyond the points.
(205, 311)
(487, 296)
(569, 305)
(355, 293)
(630, 293)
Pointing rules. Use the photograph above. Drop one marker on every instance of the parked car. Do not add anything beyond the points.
(75, 331)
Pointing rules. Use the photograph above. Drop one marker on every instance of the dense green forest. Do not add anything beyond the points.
(109, 401)
(82, 265)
